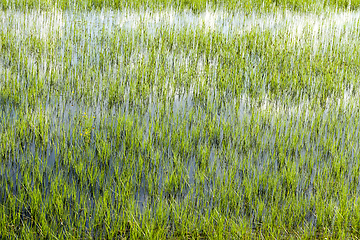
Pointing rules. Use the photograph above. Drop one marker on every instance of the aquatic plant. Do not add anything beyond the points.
(147, 124)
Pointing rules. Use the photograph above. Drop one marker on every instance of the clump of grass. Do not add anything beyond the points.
(86, 126)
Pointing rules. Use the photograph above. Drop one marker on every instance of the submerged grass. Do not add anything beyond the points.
(193, 5)
(154, 125)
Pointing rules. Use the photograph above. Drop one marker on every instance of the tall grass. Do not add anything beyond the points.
(173, 124)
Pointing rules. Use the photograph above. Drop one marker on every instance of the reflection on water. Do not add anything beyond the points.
(63, 112)
(324, 28)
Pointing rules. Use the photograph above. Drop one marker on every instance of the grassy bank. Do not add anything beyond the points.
(170, 124)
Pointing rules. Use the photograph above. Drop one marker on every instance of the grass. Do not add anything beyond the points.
(147, 124)
(193, 5)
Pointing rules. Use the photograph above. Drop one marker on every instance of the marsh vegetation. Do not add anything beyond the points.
(171, 122)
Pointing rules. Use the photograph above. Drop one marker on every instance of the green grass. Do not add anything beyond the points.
(244, 128)
(193, 5)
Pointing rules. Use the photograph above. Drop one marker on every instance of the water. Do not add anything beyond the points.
(329, 29)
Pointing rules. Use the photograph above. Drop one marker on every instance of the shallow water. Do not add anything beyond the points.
(323, 27)
(329, 29)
